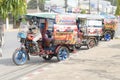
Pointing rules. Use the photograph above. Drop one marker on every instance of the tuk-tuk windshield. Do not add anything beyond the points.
(94, 23)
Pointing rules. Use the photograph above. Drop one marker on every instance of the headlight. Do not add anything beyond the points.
(18, 38)
(21, 35)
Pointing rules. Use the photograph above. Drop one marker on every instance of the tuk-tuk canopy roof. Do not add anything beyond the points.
(90, 16)
(108, 16)
(41, 15)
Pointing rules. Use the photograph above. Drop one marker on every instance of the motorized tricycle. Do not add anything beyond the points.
(91, 27)
(58, 32)
(110, 25)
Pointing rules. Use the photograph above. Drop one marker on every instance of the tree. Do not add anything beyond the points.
(83, 11)
(117, 13)
(41, 4)
(113, 2)
(15, 7)
(33, 4)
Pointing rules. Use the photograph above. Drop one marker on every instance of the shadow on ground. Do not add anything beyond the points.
(6, 62)
(32, 61)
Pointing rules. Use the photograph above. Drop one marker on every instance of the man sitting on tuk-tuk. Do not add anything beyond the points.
(34, 28)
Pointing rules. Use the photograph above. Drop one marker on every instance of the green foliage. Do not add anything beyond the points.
(83, 11)
(33, 4)
(15, 7)
(113, 2)
(117, 13)
(41, 4)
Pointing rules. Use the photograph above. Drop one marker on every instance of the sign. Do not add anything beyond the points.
(65, 34)
(66, 19)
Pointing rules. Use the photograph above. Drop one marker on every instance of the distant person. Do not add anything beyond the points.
(0, 44)
(1, 38)
(0, 52)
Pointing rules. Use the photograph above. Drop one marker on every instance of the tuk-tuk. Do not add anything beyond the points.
(110, 25)
(59, 36)
(91, 26)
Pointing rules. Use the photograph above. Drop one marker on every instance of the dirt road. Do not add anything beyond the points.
(99, 63)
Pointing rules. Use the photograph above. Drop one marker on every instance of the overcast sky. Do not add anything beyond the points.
(72, 3)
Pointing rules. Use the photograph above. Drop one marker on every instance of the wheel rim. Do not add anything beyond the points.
(62, 54)
(91, 43)
(107, 37)
(20, 57)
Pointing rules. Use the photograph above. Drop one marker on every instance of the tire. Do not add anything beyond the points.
(107, 36)
(62, 53)
(100, 38)
(97, 41)
(77, 46)
(20, 57)
(71, 48)
(91, 43)
(48, 57)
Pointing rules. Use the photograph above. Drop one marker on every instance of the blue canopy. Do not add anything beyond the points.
(108, 16)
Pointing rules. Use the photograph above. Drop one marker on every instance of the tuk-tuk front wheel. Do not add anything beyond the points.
(20, 57)
(62, 53)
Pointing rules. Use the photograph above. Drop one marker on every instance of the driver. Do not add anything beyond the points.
(36, 31)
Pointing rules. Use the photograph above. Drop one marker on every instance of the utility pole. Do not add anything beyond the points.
(66, 5)
(112, 6)
(78, 3)
(98, 6)
(89, 7)
(38, 6)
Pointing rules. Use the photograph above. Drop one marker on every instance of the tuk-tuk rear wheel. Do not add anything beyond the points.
(107, 36)
(91, 43)
(62, 53)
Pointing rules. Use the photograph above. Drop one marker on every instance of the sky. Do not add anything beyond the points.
(72, 3)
